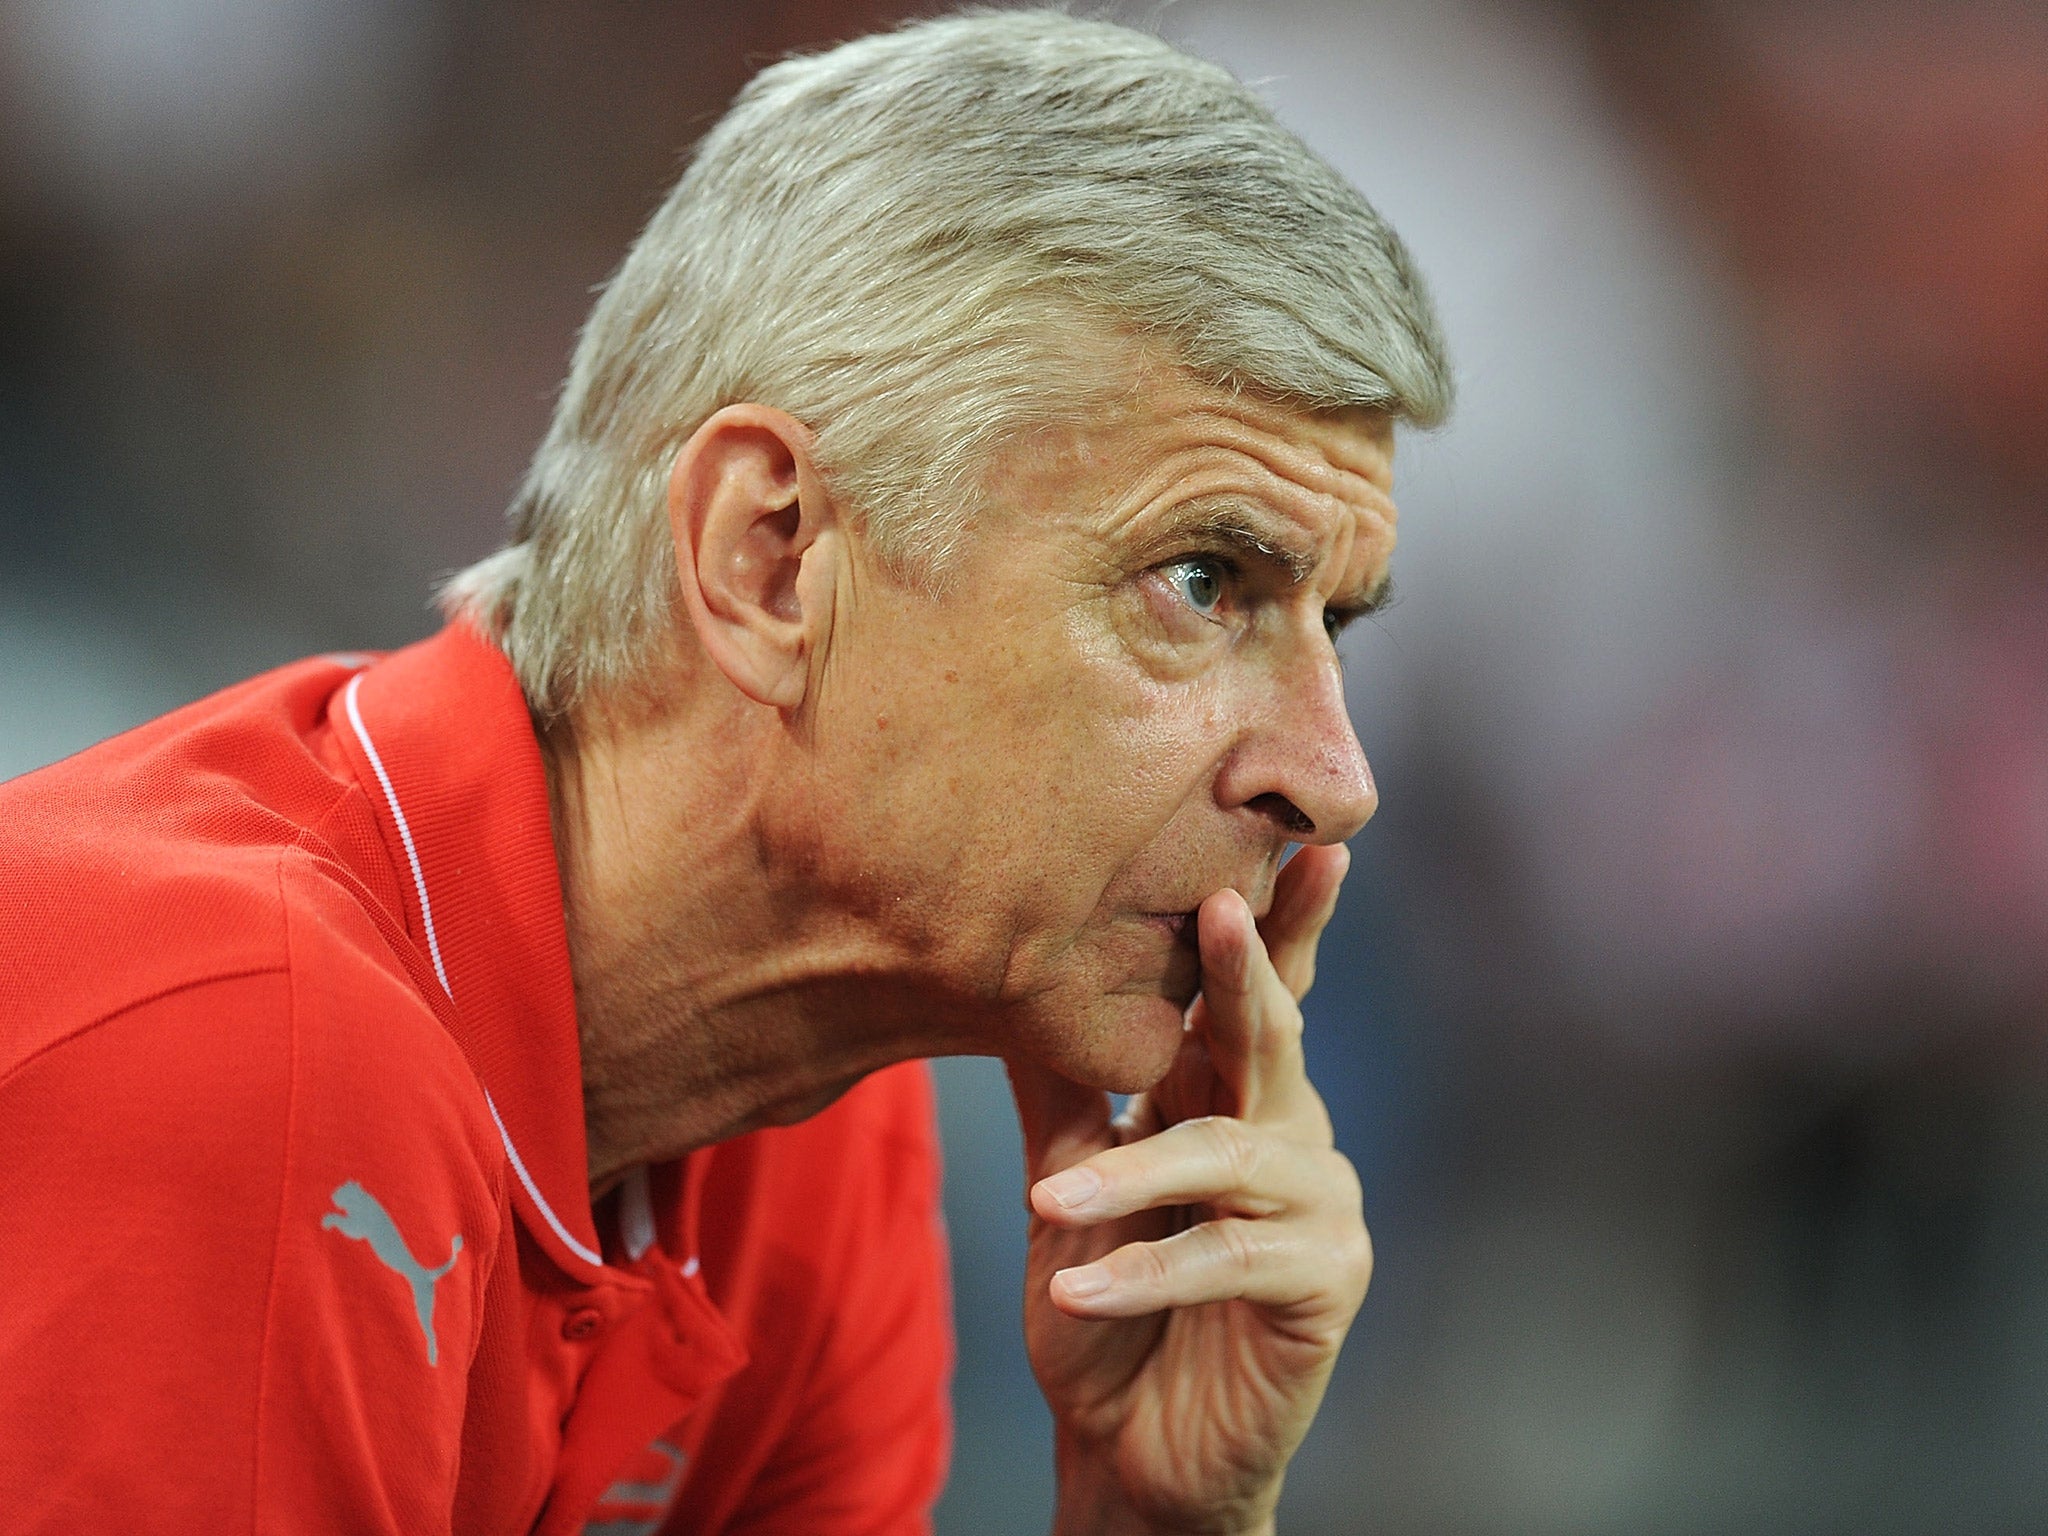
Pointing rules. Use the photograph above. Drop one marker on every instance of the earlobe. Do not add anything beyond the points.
(748, 512)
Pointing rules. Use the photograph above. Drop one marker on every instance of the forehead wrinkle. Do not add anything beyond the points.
(1305, 485)
(1299, 481)
(1321, 454)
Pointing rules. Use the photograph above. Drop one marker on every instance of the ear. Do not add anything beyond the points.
(755, 539)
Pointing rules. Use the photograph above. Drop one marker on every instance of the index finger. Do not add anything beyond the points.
(1304, 898)
(1253, 1023)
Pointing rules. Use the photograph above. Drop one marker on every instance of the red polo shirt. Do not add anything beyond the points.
(295, 1232)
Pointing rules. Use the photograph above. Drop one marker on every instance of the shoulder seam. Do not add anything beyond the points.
(284, 1184)
(309, 830)
(101, 1020)
(390, 926)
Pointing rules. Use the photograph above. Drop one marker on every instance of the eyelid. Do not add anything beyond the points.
(1215, 557)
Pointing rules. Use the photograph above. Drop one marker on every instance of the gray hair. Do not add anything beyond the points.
(920, 244)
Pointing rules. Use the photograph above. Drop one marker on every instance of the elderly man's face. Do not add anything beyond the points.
(1125, 699)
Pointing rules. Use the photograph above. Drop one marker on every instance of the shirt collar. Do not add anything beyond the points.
(443, 746)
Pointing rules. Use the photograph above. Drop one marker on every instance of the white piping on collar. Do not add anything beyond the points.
(587, 1255)
(412, 854)
(419, 883)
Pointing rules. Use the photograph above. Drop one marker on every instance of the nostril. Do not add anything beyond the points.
(1285, 812)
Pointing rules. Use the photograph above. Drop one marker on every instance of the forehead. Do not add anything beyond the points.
(1342, 457)
(1174, 452)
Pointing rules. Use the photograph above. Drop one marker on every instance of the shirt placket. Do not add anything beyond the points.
(662, 1351)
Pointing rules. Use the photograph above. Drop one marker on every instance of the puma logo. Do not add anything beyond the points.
(360, 1216)
(649, 1502)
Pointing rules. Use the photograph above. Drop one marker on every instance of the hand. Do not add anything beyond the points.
(1195, 1264)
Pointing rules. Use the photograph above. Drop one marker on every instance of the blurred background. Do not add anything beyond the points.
(1684, 1012)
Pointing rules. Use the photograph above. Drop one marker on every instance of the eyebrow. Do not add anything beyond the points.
(1254, 534)
(1249, 532)
(1377, 599)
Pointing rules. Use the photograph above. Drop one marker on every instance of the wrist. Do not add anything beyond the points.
(1092, 1501)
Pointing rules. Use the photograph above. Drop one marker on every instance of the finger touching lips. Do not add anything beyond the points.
(1253, 1022)
(1226, 935)
(1303, 904)
(1307, 884)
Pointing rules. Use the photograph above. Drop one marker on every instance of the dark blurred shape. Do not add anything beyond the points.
(289, 285)
(1877, 173)
(152, 122)
(1851, 786)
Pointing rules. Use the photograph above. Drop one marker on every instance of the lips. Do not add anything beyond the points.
(1180, 926)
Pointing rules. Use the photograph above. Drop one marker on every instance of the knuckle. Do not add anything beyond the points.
(1116, 1167)
(1238, 1248)
(1284, 1029)
(1319, 1115)
(1235, 1149)
(1349, 1255)
(1146, 1266)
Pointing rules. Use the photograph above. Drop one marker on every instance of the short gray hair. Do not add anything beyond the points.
(908, 243)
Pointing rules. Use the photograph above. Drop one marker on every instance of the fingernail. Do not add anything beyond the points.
(1077, 1186)
(1087, 1280)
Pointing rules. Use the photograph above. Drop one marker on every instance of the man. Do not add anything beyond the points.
(476, 1090)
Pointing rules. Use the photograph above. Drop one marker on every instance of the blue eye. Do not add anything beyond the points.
(1199, 582)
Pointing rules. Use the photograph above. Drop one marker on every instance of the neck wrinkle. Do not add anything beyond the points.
(731, 998)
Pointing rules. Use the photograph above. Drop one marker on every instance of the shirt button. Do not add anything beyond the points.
(581, 1324)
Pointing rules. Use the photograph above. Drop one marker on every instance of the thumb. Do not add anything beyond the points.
(1062, 1120)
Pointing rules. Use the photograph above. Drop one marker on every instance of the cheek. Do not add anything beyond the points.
(1109, 810)
(1160, 744)
(972, 795)
(1009, 805)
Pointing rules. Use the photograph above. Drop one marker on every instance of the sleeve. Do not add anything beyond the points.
(866, 1451)
(185, 1343)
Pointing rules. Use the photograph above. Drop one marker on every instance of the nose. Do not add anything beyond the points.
(1299, 765)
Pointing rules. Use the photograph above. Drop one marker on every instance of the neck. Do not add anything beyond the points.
(716, 990)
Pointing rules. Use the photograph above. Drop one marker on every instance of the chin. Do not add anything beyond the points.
(1133, 1041)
